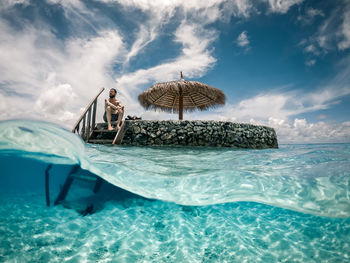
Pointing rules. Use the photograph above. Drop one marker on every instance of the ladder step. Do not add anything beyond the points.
(84, 177)
(104, 125)
(101, 141)
(105, 130)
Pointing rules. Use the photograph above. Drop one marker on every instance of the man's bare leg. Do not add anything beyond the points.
(120, 117)
(109, 117)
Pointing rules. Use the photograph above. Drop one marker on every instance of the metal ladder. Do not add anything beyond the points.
(68, 183)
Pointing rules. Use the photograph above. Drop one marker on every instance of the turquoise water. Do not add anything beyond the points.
(172, 204)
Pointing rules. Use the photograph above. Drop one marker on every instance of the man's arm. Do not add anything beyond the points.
(113, 106)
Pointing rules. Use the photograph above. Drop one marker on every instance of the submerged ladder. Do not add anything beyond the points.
(68, 183)
(73, 175)
(92, 132)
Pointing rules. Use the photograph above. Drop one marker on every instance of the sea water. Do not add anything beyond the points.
(171, 204)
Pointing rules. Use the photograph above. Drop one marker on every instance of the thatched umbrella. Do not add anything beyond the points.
(181, 95)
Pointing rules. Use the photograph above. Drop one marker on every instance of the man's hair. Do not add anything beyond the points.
(114, 90)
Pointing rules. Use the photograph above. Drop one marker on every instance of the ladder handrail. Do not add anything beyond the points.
(87, 109)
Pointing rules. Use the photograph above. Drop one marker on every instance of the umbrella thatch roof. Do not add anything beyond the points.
(167, 96)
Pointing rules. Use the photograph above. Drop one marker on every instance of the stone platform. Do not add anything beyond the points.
(198, 133)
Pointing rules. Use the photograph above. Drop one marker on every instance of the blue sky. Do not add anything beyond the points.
(285, 64)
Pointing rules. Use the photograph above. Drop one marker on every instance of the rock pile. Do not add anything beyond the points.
(199, 133)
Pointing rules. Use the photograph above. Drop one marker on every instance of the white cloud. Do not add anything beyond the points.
(263, 106)
(89, 60)
(238, 8)
(54, 102)
(322, 116)
(310, 62)
(278, 110)
(197, 12)
(311, 49)
(29, 56)
(334, 33)
(345, 30)
(310, 15)
(18, 54)
(243, 40)
(5, 4)
(312, 12)
(300, 131)
(282, 6)
(283, 105)
(16, 107)
(3, 104)
(144, 36)
(210, 9)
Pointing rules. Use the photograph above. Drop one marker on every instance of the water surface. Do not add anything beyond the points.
(172, 204)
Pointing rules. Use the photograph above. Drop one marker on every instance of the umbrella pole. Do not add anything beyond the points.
(181, 104)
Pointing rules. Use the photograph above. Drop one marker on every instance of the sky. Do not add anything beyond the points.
(280, 63)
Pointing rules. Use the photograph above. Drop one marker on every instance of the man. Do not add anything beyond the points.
(114, 110)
